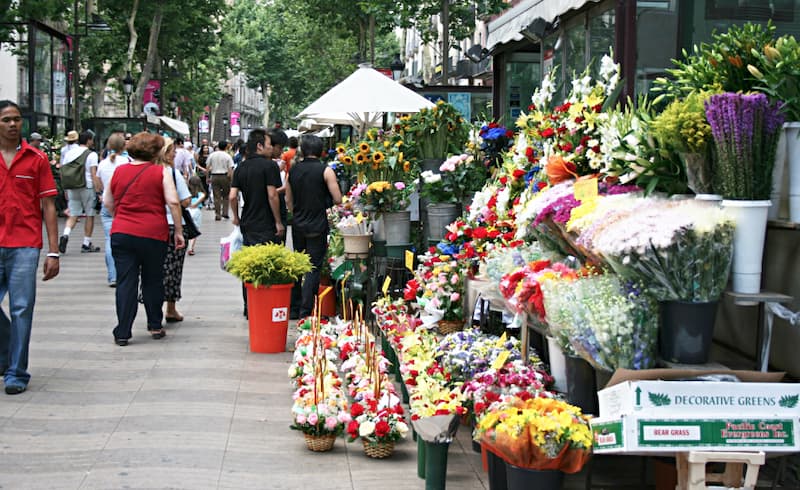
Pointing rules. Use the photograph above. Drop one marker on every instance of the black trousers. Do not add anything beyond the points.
(135, 256)
(256, 238)
(316, 246)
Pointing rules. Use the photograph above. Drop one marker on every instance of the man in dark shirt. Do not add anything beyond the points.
(312, 188)
(258, 178)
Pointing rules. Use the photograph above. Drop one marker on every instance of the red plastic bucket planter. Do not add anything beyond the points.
(268, 314)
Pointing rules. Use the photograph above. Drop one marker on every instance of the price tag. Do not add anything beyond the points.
(500, 361)
(502, 339)
(386, 282)
(410, 260)
(586, 190)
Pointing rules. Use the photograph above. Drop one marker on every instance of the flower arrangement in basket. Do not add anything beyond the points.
(436, 132)
(540, 434)
(378, 428)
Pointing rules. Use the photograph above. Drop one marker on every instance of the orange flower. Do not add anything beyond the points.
(559, 170)
(406, 166)
(347, 160)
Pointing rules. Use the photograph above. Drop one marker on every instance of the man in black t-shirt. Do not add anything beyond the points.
(258, 178)
(312, 189)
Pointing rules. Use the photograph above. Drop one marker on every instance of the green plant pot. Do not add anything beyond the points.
(436, 465)
(404, 392)
(379, 248)
(420, 456)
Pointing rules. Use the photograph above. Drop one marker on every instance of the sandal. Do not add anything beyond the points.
(158, 334)
(190, 252)
(173, 319)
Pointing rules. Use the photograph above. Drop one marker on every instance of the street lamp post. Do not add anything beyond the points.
(225, 127)
(127, 86)
(397, 66)
(173, 103)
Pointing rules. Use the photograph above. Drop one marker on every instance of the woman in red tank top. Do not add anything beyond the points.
(136, 197)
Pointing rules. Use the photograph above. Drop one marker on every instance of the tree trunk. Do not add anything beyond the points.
(98, 83)
(372, 39)
(445, 41)
(152, 56)
(134, 35)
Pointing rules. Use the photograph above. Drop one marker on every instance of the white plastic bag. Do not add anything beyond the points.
(228, 245)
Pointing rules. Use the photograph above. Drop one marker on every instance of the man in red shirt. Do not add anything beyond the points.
(27, 190)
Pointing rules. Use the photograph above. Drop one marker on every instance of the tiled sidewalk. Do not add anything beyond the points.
(195, 410)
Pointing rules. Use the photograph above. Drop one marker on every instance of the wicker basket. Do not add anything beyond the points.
(449, 326)
(320, 444)
(378, 450)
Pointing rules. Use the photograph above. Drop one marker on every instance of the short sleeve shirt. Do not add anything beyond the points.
(219, 162)
(22, 186)
(183, 193)
(183, 161)
(91, 161)
(252, 177)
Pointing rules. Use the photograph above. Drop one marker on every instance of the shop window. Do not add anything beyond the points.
(601, 37)
(523, 72)
(656, 41)
(702, 17)
(43, 64)
(574, 53)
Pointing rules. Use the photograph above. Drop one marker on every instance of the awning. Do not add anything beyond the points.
(509, 26)
(179, 127)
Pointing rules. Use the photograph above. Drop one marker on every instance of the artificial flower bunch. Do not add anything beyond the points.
(438, 285)
(434, 133)
(378, 157)
(386, 197)
(320, 406)
(464, 353)
(538, 433)
(374, 424)
(610, 323)
(568, 133)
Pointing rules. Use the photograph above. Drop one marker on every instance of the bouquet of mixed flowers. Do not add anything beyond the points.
(321, 408)
(500, 260)
(679, 250)
(386, 197)
(609, 323)
(435, 132)
(437, 286)
(522, 290)
(492, 140)
(539, 433)
(374, 424)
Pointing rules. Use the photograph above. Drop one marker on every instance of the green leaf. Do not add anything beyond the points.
(659, 399)
(788, 401)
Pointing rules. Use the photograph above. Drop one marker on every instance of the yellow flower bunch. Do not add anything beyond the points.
(379, 157)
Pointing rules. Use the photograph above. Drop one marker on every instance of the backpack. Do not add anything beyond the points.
(73, 174)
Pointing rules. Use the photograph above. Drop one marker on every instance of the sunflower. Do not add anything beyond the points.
(378, 157)
(361, 158)
(363, 147)
(406, 166)
(347, 160)
(340, 149)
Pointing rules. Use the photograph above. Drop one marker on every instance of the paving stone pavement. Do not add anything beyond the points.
(195, 410)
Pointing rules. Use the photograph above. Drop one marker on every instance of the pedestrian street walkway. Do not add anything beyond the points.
(194, 410)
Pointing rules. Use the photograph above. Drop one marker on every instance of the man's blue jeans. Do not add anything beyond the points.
(107, 219)
(17, 278)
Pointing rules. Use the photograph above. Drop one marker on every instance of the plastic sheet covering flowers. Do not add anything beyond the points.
(680, 250)
(438, 286)
(464, 353)
(521, 287)
(540, 434)
(359, 224)
(503, 259)
(604, 320)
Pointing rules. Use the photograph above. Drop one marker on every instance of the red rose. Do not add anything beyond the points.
(480, 233)
(382, 428)
(541, 185)
(352, 428)
(356, 409)
(494, 234)
(547, 133)
(492, 125)
(509, 133)
(567, 146)
(518, 173)
(529, 152)
(373, 405)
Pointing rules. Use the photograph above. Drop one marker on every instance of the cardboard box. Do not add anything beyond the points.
(649, 412)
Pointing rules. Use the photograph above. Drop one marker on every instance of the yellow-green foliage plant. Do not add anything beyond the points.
(264, 265)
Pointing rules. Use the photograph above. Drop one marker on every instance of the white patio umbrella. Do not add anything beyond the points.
(363, 98)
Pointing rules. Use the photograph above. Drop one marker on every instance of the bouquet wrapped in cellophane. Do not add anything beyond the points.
(539, 434)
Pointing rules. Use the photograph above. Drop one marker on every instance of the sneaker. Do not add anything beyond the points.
(112, 284)
(89, 248)
(15, 389)
(62, 244)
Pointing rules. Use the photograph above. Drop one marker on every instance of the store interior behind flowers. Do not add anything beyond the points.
(505, 280)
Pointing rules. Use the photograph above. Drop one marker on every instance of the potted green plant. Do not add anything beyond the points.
(269, 271)
(434, 133)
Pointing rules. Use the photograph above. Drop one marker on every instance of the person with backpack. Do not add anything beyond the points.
(77, 176)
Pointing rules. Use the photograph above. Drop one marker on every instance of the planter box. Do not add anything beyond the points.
(657, 416)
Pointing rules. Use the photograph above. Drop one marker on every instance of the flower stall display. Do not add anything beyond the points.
(378, 428)
(490, 142)
(462, 354)
(380, 156)
(383, 197)
(609, 323)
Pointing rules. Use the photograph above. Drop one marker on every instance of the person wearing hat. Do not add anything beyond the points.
(70, 142)
(35, 140)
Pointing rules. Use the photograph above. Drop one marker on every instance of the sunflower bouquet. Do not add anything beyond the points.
(378, 157)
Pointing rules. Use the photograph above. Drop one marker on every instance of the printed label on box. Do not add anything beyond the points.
(608, 435)
(280, 314)
(653, 433)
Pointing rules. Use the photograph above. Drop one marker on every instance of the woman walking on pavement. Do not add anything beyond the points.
(173, 261)
(116, 147)
(136, 197)
(198, 198)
